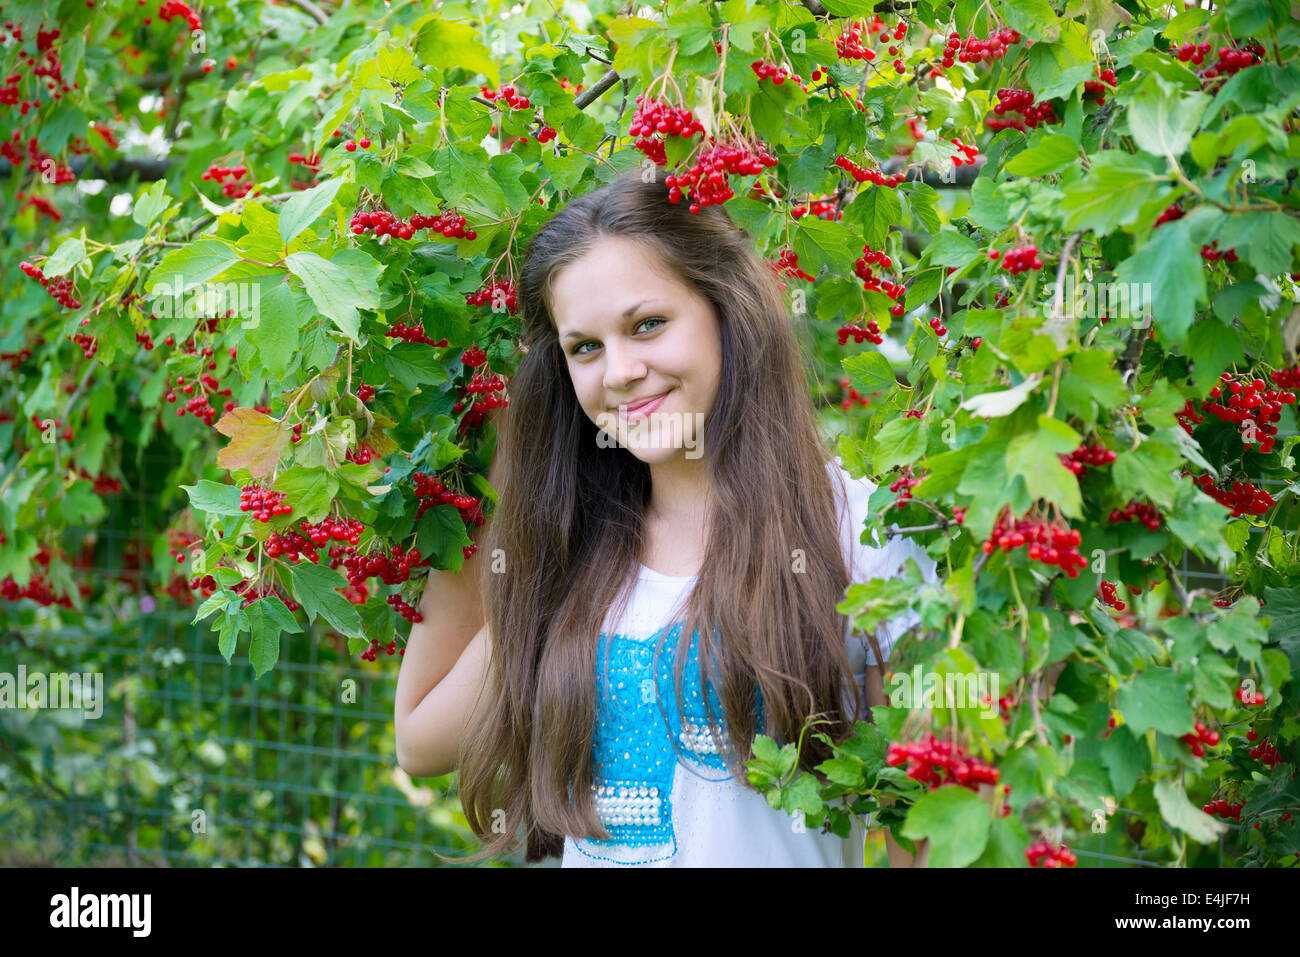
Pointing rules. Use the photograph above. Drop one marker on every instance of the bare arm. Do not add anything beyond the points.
(897, 856)
(444, 666)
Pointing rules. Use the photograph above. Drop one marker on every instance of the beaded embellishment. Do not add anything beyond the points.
(634, 755)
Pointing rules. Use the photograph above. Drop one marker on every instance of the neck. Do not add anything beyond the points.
(681, 492)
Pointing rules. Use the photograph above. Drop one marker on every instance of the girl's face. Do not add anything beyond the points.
(630, 331)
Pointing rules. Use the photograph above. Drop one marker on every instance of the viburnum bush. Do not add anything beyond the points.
(1055, 245)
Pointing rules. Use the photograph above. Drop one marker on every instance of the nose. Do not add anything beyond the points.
(622, 367)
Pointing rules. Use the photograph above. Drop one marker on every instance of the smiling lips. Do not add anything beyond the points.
(645, 406)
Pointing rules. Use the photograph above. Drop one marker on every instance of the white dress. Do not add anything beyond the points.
(669, 806)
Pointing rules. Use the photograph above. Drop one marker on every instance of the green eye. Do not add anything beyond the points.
(577, 349)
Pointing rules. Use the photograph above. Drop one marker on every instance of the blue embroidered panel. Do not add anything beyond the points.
(634, 756)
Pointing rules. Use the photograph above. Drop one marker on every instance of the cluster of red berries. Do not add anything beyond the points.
(362, 141)
(1097, 87)
(1106, 592)
(1172, 212)
(180, 541)
(407, 611)
(308, 162)
(934, 763)
(370, 653)
(823, 208)
(1222, 808)
(859, 335)
(1266, 753)
(89, 345)
(492, 388)
(392, 568)
(432, 493)
(974, 50)
(655, 116)
(1047, 542)
(862, 175)
(506, 93)
(502, 291)
(787, 266)
(60, 289)
(178, 8)
(263, 502)
(706, 181)
(38, 587)
(937, 325)
(198, 406)
(251, 594)
(1286, 378)
(872, 283)
(852, 396)
(384, 223)
(472, 358)
(1086, 455)
(1188, 417)
(236, 186)
(361, 455)
(1142, 512)
(1251, 699)
(765, 70)
(1242, 498)
(480, 385)
(400, 330)
(849, 46)
(1020, 259)
(1193, 52)
(1253, 406)
(903, 485)
(1229, 60)
(1200, 739)
(1022, 102)
(1043, 854)
(1212, 253)
(968, 153)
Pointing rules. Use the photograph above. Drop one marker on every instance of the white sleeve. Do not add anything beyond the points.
(877, 561)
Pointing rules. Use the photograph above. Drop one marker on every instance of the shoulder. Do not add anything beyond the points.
(873, 558)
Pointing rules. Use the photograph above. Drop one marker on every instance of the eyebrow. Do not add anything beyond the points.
(627, 314)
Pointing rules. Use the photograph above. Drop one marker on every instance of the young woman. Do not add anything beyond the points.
(662, 568)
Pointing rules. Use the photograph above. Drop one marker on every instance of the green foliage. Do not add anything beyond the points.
(1161, 209)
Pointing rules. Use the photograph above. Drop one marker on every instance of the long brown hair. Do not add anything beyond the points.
(570, 520)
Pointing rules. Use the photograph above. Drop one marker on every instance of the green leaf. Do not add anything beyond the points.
(1033, 457)
(1264, 239)
(314, 588)
(151, 203)
(302, 209)
(464, 181)
(1127, 758)
(414, 364)
(1111, 195)
(901, 441)
(1144, 472)
(71, 252)
(870, 372)
(1213, 347)
(955, 821)
(1034, 18)
(877, 209)
(1171, 262)
(1162, 118)
(214, 498)
(439, 41)
(1182, 814)
(337, 293)
(1006, 844)
(311, 491)
(951, 248)
(1155, 699)
(183, 269)
(1048, 155)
